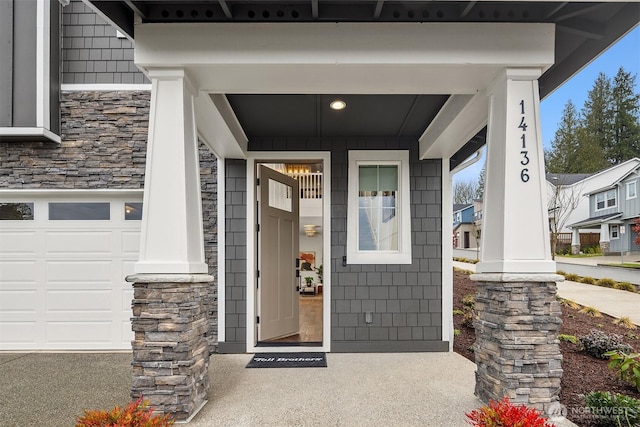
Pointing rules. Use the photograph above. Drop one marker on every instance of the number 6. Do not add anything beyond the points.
(524, 176)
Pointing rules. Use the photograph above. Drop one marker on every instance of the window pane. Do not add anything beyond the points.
(368, 178)
(79, 211)
(132, 211)
(16, 211)
(388, 178)
(280, 196)
(377, 221)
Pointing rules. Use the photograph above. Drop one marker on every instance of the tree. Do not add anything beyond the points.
(481, 178)
(562, 201)
(598, 121)
(464, 192)
(561, 158)
(625, 143)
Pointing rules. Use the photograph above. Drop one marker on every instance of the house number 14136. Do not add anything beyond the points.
(524, 173)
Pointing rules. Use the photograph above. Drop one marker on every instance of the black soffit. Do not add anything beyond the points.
(583, 31)
(309, 116)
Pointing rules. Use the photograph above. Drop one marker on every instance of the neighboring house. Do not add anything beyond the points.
(612, 209)
(465, 229)
(571, 186)
(381, 100)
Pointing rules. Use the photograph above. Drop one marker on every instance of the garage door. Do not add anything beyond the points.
(63, 260)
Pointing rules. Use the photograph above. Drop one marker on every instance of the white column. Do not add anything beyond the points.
(515, 224)
(172, 238)
(575, 237)
(604, 233)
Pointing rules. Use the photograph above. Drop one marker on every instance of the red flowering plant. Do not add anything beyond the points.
(505, 414)
(135, 414)
(636, 229)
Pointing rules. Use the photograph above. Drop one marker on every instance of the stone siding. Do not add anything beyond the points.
(104, 141)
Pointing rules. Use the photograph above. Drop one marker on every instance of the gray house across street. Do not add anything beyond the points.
(172, 172)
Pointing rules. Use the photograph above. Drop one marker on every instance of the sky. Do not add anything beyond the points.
(625, 53)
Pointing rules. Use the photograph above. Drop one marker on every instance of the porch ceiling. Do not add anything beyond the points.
(583, 31)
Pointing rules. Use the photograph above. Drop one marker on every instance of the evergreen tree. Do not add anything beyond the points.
(626, 129)
(481, 178)
(565, 145)
(597, 125)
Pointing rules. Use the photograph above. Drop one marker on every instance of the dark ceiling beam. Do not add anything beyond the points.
(467, 9)
(580, 11)
(314, 9)
(137, 8)
(555, 10)
(378, 10)
(225, 8)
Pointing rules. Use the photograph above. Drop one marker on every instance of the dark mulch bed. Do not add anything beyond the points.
(582, 373)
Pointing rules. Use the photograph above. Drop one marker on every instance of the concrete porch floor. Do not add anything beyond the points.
(405, 389)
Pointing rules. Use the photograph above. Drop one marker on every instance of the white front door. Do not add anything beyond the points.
(278, 238)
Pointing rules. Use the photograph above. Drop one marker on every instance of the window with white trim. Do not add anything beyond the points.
(606, 199)
(632, 190)
(613, 232)
(378, 216)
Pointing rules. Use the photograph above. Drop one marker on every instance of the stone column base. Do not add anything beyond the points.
(604, 248)
(170, 350)
(517, 349)
(575, 249)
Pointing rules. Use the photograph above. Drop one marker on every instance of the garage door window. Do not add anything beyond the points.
(16, 211)
(79, 211)
(133, 211)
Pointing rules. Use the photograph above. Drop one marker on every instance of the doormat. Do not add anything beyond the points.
(288, 360)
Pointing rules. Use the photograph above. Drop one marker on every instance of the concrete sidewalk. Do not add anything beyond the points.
(613, 302)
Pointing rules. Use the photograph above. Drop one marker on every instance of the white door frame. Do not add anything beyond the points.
(258, 156)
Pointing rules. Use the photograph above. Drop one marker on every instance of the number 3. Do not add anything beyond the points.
(523, 162)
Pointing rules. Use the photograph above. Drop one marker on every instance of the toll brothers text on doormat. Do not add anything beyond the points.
(288, 360)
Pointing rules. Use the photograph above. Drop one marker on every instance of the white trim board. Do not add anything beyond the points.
(106, 87)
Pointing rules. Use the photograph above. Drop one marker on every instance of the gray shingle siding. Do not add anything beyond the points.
(405, 300)
(91, 51)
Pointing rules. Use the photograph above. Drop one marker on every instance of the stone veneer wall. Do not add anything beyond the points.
(405, 300)
(517, 350)
(104, 141)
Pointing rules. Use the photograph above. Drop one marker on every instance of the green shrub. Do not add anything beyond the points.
(607, 283)
(456, 332)
(627, 366)
(457, 312)
(613, 410)
(597, 343)
(624, 286)
(568, 338)
(560, 272)
(468, 301)
(588, 280)
(571, 277)
(467, 320)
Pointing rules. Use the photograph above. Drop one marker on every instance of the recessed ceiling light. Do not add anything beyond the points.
(338, 104)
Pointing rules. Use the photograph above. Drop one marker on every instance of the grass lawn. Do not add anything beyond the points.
(625, 265)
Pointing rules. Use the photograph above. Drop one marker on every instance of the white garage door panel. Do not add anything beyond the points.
(130, 242)
(17, 272)
(17, 301)
(62, 283)
(74, 333)
(17, 333)
(77, 300)
(78, 242)
(98, 272)
(20, 242)
(127, 297)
